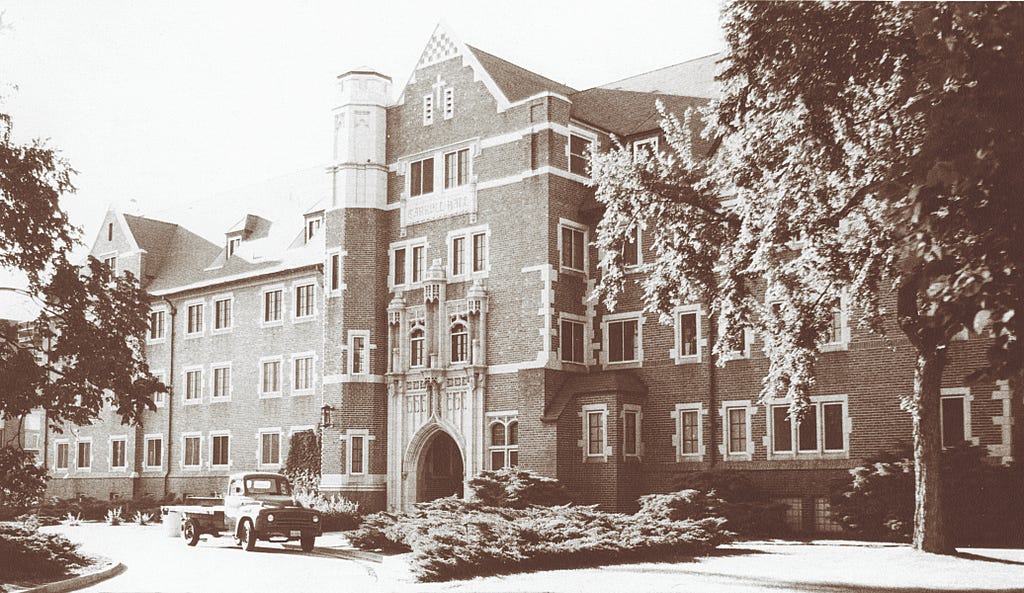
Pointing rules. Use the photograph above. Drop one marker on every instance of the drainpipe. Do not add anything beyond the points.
(712, 394)
(170, 397)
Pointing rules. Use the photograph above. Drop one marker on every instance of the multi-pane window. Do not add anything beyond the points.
(271, 382)
(270, 448)
(688, 324)
(111, 263)
(449, 103)
(456, 168)
(647, 147)
(356, 443)
(418, 254)
(416, 340)
(736, 422)
(118, 448)
(595, 441)
(689, 432)
(421, 177)
(428, 109)
(631, 249)
(579, 147)
(194, 315)
(312, 226)
(622, 340)
(63, 450)
(399, 278)
(631, 432)
(272, 308)
(156, 324)
(221, 382)
(303, 374)
(360, 356)
(191, 451)
(573, 248)
(193, 386)
(304, 301)
(819, 430)
(222, 314)
(479, 252)
(458, 256)
(84, 459)
(572, 338)
(504, 444)
(154, 452)
(460, 343)
(220, 450)
(953, 418)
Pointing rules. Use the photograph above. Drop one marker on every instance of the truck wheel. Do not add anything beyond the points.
(248, 536)
(307, 542)
(189, 532)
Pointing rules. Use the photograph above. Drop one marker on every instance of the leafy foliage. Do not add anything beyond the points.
(113, 516)
(303, 464)
(22, 482)
(517, 488)
(27, 553)
(336, 512)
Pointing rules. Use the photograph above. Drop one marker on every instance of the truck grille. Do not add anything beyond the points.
(285, 520)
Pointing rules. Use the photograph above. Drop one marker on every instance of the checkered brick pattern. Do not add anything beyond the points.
(440, 48)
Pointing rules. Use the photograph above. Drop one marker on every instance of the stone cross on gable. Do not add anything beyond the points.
(437, 86)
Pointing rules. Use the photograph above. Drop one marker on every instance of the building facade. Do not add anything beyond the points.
(432, 318)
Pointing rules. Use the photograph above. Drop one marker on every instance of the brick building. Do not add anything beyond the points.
(436, 307)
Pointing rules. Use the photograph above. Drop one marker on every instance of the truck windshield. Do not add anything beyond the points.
(267, 486)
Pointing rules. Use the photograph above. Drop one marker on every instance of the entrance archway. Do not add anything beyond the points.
(440, 470)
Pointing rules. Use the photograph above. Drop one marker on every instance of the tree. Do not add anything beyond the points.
(87, 350)
(886, 140)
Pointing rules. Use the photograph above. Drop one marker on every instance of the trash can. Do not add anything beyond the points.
(171, 520)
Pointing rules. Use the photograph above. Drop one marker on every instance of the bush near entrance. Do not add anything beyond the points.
(25, 553)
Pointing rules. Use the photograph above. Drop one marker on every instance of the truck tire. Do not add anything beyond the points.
(190, 532)
(307, 542)
(248, 536)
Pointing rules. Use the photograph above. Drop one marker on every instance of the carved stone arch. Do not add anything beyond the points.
(415, 454)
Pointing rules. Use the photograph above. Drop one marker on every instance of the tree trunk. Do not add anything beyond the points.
(930, 530)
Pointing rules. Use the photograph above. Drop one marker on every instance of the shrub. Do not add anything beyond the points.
(878, 502)
(747, 510)
(517, 488)
(113, 517)
(26, 553)
(142, 518)
(303, 464)
(336, 513)
(22, 482)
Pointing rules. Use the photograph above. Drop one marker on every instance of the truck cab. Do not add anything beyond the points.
(259, 506)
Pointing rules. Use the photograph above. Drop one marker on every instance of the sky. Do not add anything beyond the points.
(187, 111)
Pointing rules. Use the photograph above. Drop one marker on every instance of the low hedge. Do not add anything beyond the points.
(27, 553)
(747, 510)
(336, 513)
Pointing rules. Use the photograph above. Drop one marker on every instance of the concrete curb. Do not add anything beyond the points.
(344, 553)
(79, 582)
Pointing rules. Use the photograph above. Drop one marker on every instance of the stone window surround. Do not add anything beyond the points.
(605, 351)
(677, 439)
(820, 452)
(584, 443)
(677, 339)
(723, 447)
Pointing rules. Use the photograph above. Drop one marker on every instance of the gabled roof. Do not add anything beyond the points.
(618, 382)
(626, 113)
(692, 78)
(516, 82)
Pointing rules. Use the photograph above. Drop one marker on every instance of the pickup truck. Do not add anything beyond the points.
(256, 506)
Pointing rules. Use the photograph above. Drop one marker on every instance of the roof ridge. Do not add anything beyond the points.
(515, 65)
(639, 74)
(148, 219)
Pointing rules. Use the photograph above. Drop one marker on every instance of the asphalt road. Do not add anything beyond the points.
(157, 562)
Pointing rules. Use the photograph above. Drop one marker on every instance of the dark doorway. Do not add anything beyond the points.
(440, 469)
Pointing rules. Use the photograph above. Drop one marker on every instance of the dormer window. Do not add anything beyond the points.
(233, 244)
(312, 226)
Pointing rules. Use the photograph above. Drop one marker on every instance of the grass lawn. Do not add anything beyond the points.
(826, 566)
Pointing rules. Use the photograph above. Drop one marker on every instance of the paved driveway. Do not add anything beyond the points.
(157, 562)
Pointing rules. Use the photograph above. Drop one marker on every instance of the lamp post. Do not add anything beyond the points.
(325, 416)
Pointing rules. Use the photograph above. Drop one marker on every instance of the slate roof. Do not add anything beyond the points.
(626, 113)
(516, 82)
(692, 78)
(622, 382)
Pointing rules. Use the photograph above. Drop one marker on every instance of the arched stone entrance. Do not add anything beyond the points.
(440, 471)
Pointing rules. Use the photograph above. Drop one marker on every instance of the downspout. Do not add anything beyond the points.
(712, 394)
(170, 397)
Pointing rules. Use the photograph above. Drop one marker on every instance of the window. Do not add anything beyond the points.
(460, 343)
(647, 147)
(302, 376)
(456, 168)
(689, 431)
(233, 244)
(270, 383)
(111, 263)
(579, 147)
(449, 103)
(156, 325)
(399, 267)
(736, 421)
(458, 256)
(154, 451)
(312, 226)
(623, 342)
(304, 301)
(836, 336)
(220, 450)
(63, 450)
(687, 335)
(744, 337)
(479, 252)
(110, 231)
(504, 444)
(357, 451)
(416, 338)
(572, 338)
(222, 314)
(573, 246)
(631, 437)
(421, 177)
(270, 448)
(191, 446)
(334, 267)
(194, 319)
(631, 249)
(953, 420)
(193, 386)
(221, 383)
(118, 449)
(356, 466)
(84, 459)
(428, 109)
(272, 307)
(360, 354)
(417, 263)
(821, 430)
(594, 431)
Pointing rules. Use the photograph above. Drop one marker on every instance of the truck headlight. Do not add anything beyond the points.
(270, 518)
(316, 518)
